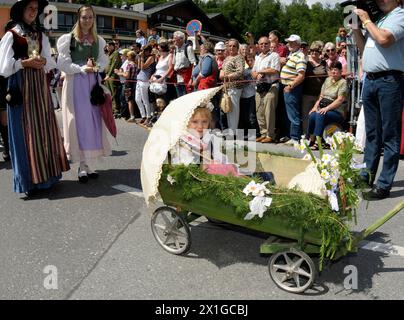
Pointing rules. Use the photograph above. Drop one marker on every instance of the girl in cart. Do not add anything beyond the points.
(199, 146)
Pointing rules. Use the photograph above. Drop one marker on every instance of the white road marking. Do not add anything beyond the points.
(382, 247)
(367, 245)
(132, 191)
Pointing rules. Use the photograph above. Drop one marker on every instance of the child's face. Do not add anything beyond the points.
(250, 62)
(198, 123)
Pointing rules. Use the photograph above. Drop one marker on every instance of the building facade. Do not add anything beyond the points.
(121, 23)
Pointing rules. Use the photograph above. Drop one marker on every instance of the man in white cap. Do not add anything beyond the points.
(292, 77)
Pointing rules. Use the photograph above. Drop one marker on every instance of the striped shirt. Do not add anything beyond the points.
(295, 64)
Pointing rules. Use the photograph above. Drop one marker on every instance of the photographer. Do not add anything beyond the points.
(383, 61)
(147, 66)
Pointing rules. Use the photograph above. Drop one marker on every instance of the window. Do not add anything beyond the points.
(126, 24)
(104, 22)
(66, 19)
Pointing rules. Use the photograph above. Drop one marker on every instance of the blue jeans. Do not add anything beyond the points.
(317, 121)
(382, 108)
(293, 109)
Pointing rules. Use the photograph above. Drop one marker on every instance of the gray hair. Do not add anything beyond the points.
(329, 45)
(179, 34)
(236, 41)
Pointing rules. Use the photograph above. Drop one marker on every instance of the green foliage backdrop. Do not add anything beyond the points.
(318, 22)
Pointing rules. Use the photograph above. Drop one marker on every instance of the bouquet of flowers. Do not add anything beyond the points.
(339, 171)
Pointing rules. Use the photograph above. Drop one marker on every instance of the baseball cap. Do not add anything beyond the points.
(294, 38)
(220, 46)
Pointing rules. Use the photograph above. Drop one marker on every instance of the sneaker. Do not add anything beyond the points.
(377, 194)
(90, 173)
(131, 120)
(82, 176)
(284, 139)
(291, 142)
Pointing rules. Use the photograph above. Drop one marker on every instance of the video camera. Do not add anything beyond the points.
(369, 6)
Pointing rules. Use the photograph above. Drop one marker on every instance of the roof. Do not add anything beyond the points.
(214, 15)
(163, 6)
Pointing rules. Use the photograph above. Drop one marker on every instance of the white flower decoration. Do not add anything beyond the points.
(357, 166)
(334, 163)
(258, 206)
(326, 158)
(332, 198)
(334, 181)
(256, 189)
(171, 179)
(325, 174)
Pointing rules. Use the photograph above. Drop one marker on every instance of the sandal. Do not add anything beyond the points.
(314, 147)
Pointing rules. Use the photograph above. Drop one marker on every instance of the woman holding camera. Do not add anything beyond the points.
(36, 148)
(330, 106)
(81, 54)
(146, 69)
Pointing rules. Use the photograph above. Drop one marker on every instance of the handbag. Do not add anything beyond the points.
(97, 95)
(225, 102)
(263, 87)
(158, 88)
(325, 102)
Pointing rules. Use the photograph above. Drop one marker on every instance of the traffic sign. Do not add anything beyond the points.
(193, 27)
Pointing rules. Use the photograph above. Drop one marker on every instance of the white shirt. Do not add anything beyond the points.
(265, 61)
(9, 66)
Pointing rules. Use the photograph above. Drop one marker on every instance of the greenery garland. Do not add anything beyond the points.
(304, 211)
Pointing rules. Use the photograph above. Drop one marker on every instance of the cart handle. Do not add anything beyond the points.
(372, 228)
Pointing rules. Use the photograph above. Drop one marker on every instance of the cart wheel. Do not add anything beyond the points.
(292, 270)
(171, 230)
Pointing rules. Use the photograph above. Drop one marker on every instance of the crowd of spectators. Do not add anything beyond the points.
(273, 86)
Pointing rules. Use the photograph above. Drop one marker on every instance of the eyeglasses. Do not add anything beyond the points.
(314, 50)
(330, 50)
(264, 43)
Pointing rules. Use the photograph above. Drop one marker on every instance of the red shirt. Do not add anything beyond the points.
(282, 50)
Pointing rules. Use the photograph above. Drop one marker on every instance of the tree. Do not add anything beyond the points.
(318, 22)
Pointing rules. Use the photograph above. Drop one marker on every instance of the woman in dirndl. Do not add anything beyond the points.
(36, 148)
(81, 55)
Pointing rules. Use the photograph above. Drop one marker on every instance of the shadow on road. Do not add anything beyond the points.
(101, 187)
(227, 245)
(398, 193)
(368, 265)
